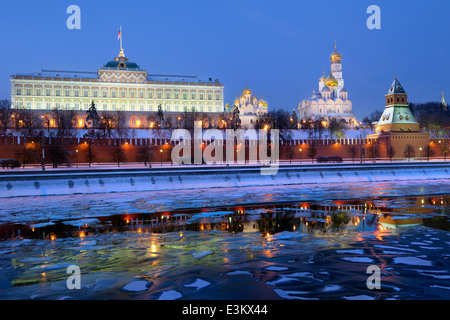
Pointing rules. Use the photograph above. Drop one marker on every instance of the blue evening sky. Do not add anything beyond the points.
(279, 47)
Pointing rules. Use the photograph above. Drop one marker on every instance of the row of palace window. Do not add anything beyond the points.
(114, 106)
(123, 93)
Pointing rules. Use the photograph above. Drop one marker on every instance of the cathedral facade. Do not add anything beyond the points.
(250, 107)
(331, 98)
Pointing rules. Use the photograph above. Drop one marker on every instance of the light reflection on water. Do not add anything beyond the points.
(336, 216)
(247, 251)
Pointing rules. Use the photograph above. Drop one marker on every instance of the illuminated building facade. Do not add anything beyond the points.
(331, 98)
(119, 85)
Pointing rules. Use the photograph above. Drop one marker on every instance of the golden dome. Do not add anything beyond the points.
(323, 78)
(263, 103)
(335, 55)
(247, 91)
(331, 81)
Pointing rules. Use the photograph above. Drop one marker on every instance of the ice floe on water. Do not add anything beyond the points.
(170, 295)
(202, 254)
(331, 287)
(293, 277)
(82, 222)
(292, 294)
(358, 259)
(137, 286)
(413, 261)
(239, 273)
(360, 297)
(198, 284)
(275, 268)
(288, 235)
(351, 251)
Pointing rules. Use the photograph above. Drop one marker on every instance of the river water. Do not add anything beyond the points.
(287, 242)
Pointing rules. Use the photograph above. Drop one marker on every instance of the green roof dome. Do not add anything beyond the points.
(121, 65)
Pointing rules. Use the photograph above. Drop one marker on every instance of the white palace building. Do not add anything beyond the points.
(119, 85)
(331, 99)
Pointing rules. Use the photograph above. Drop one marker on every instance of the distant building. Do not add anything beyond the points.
(331, 98)
(119, 85)
(398, 128)
(250, 107)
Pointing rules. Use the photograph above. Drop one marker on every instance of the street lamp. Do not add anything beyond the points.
(161, 151)
(300, 160)
(420, 154)
(76, 154)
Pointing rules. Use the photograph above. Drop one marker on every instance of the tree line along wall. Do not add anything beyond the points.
(290, 150)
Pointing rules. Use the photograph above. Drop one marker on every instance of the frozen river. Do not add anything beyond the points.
(287, 242)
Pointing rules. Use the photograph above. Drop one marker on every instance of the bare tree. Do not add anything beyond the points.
(118, 154)
(336, 127)
(372, 152)
(5, 115)
(353, 151)
(312, 152)
(121, 128)
(145, 154)
(89, 152)
(27, 122)
(409, 152)
(107, 123)
(445, 149)
(390, 152)
(27, 153)
(290, 152)
(429, 152)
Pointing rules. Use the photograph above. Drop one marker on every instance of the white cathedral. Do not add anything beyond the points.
(250, 107)
(331, 99)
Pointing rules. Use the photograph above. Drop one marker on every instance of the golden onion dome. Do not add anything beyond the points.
(331, 81)
(323, 78)
(247, 91)
(335, 55)
(263, 103)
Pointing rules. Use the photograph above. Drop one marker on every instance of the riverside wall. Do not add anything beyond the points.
(84, 181)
